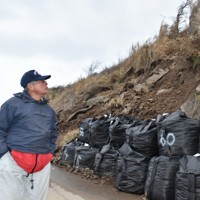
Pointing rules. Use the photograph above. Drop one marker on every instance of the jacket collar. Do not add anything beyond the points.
(27, 98)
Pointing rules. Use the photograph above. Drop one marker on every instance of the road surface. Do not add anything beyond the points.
(68, 186)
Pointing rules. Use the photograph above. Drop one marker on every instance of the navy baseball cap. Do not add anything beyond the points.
(32, 75)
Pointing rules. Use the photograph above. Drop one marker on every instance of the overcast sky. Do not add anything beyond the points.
(64, 37)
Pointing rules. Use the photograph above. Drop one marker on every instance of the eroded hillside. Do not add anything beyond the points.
(159, 76)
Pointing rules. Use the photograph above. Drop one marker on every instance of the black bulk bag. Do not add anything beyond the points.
(188, 179)
(84, 157)
(160, 181)
(143, 138)
(99, 130)
(68, 152)
(131, 170)
(117, 129)
(175, 115)
(160, 117)
(106, 161)
(84, 130)
(178, 135)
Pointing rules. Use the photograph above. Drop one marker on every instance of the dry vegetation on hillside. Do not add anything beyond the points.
(158, 76)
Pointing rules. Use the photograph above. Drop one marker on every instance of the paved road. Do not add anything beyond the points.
(67, 186)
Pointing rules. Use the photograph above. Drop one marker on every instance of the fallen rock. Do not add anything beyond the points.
(163, 91)
(156, 76)
(97, 100)
(141, 88)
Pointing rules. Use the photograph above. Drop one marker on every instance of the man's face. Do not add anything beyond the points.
(39, 87)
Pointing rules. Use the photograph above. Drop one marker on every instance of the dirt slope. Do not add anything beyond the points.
(162, 89)
(158, 77)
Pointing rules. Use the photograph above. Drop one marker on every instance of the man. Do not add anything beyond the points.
(27, 141)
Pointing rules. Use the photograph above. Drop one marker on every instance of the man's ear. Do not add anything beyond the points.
(29, 86)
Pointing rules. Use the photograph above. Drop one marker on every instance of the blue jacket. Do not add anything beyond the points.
(27, 125)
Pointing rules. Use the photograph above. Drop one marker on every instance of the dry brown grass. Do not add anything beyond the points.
(162, 47)
(181, 46)
(141, 57)
(68, 136)
(95, 80)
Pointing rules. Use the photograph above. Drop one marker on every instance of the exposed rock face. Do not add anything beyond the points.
(156, 76)
(97, 100)
(192, 106)
(194, 26)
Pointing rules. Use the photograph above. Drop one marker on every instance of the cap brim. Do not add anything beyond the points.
(44, 77)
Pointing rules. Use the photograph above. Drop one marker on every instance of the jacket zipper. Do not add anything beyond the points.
(32, 171)
(36, 159)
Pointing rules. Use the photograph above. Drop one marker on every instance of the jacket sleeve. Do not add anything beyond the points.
(53, 133)
(6, 118)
